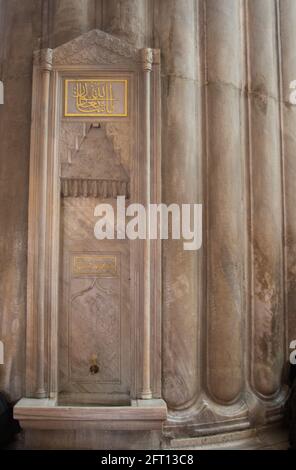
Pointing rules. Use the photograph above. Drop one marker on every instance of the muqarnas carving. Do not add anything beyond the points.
(90, 164)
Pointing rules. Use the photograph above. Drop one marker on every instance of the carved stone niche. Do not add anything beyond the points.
(93, 307)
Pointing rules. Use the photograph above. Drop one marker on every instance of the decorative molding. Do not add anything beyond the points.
(74, 187)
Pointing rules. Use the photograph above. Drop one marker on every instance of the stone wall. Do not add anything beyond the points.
(20, 33)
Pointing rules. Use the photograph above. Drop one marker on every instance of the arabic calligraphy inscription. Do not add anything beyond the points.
(96, 98)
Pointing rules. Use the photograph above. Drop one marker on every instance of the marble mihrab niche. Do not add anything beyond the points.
(93, 332)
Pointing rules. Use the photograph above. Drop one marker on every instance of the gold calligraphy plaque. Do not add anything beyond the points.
(95, 265)
(96, 98)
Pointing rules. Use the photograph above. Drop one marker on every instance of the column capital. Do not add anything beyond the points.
(147, 57)
(43, 58)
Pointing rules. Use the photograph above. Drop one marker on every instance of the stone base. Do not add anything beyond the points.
(139, 426)
(91, 440)
(49, 426)
(272, 437)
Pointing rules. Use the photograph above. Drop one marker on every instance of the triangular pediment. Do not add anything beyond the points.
(95, 47)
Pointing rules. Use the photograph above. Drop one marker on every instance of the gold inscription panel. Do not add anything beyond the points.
(95, 265)
(96, 98)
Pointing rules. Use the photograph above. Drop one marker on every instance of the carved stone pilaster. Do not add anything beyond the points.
(147, 63)
(44, 59)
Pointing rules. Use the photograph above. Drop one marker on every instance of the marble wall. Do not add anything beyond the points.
(228, 141)
(20, 33)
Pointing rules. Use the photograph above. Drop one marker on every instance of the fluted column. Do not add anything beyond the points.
(70, 18)
(175, 23)
(267, 321)
(287, 17)
(128, 19)
(226, 224)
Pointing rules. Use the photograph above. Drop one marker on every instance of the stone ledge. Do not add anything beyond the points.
(45, 414)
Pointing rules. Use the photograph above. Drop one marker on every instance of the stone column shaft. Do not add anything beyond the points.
(226, 224)
(175, 22)
(127, 19)
(70, 18)
(266, 326)
(288, 47)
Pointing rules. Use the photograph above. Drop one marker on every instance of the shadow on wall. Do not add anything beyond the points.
(9, 427)
(290, 409)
